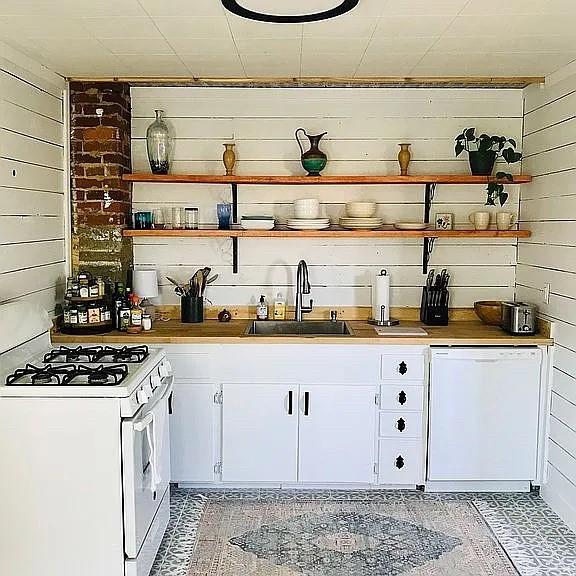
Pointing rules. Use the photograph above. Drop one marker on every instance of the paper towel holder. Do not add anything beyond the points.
(380, 321)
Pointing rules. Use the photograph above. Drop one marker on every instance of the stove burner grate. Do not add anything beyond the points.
(69, 374)
(128, 354)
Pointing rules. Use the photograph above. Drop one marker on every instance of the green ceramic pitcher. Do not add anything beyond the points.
(314, 160)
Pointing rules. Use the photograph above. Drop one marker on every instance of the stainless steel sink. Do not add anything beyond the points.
(294, 328)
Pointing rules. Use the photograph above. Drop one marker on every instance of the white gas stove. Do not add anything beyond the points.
(84, 442)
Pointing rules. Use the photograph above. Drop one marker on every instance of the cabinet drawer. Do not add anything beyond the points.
(402, 367)
(191, 366)
(401, 424)
(399, 397)
(400, 462)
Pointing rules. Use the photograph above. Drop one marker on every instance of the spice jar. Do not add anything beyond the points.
(146, 322)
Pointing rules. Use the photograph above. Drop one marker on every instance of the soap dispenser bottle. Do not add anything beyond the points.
(262, 309)
(279, 307)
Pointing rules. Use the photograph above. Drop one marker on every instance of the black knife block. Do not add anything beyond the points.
(434, 306)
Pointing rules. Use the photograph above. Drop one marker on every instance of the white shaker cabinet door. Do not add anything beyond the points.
(192, 440)
(259, 433)
(337, 428)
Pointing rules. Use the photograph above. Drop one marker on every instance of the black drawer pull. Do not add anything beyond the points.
(402, 398)
(290, 402)
(402, 368)
(401, 424)
(306, 403)
(399, 462)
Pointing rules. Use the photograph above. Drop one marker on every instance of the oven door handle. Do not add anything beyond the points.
(141, 424)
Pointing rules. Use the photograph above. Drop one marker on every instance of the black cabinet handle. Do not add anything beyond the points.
(170, 407)
(306, 403)
(290, 402)
(402, 398)
(401, 424)
(399, 462)
(402, 368)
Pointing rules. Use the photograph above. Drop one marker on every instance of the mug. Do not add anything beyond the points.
(481, 220)
(505, 220)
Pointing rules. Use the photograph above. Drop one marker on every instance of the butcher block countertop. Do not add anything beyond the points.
(462, 333)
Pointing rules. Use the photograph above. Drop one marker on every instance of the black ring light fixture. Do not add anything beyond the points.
(344, 6)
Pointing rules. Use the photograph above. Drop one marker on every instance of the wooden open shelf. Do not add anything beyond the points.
(332, 232)
(325, 180)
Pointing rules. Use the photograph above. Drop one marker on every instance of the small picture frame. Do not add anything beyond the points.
(444, 221)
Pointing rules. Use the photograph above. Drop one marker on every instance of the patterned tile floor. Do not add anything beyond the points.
(533, 536)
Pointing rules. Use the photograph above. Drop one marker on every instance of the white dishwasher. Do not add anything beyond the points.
(484, 412)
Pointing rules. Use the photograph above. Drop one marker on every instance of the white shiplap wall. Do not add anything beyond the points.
(364, 128)
(32, 199)
(548, 208)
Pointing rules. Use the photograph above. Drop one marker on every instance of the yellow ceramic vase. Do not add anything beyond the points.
(404, 158)
(229, 159)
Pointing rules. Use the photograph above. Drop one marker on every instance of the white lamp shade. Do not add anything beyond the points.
(145, 283)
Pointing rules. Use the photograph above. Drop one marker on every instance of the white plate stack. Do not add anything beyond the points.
(306, 216)
(360, 216)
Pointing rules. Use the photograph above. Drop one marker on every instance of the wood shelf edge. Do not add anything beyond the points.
(330, 233)
(320, 180)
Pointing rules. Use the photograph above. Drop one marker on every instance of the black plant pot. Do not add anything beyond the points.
(482, 162)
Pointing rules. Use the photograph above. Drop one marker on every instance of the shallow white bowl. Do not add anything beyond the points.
(360, 209)
(252, 224)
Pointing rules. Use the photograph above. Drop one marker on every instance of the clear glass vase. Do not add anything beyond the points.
(159, 144)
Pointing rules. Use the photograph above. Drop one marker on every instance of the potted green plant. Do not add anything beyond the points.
(483, 151)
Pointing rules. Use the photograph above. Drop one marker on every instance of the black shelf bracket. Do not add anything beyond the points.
(234, 186)
(234, 203)
(429, 196)
(428, 242)
(235, 254)
(427, 252)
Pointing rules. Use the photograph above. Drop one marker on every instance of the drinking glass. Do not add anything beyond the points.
(178, 217)
(224, 212)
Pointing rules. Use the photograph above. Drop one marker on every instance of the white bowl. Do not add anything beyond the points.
(307, 208)
(361, 209)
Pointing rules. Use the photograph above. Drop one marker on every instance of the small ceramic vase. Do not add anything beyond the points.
(229, 159)
(404, 158)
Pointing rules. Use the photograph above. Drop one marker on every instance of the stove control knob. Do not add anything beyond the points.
(155, 380)
(141, 397)
(147, 389)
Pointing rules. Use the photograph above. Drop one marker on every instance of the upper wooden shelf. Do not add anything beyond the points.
(334, 180)
(332, 232)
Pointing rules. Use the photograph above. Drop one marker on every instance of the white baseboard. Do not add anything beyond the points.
(558, 494)
(477, 486)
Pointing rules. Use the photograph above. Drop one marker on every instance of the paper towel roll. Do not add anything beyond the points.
(381, 296)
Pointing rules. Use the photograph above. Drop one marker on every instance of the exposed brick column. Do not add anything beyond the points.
(100, 122)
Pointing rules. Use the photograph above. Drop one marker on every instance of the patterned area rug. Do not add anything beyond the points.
(412, 538)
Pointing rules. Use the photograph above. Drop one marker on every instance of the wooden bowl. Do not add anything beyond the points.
(489, 311)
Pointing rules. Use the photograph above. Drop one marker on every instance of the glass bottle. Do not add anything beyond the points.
(159, 144)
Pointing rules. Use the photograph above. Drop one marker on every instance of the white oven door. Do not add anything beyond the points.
(146, 466)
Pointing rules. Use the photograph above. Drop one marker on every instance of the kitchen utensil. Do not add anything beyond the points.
(481, 220)
(212, 279)
(360, 209)
(435, 297)
(180, 290)
(489, 311)
(411, 225)
(306, 208)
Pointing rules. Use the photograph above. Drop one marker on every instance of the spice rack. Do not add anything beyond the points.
(92, 314)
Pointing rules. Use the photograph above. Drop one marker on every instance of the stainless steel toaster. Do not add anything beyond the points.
(519, 318)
